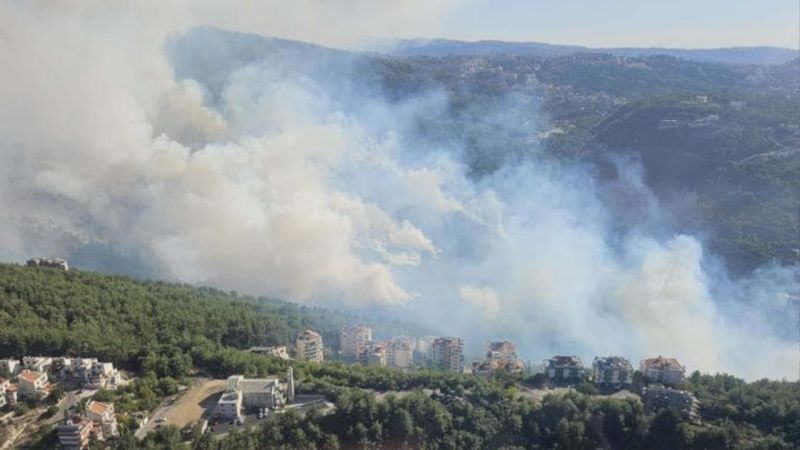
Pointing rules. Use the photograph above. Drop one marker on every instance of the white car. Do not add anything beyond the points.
(161, 419)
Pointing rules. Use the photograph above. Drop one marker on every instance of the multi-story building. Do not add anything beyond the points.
(74, 433)
(612, 371)
(447, 353)
(243, 395)
(354, 341)
(33, 384)
(103, 414)
(89, 371)
(37, 363)
(12, 366)
(400, 352)
(229, 406)
(667, 371)
(565, 369)
(309, 346)
(278, 351)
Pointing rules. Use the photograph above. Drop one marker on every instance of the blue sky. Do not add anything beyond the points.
(613, 23)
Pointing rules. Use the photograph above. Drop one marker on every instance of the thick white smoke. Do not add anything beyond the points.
(272, 185)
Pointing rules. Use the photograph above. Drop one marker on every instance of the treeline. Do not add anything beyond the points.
(488, 414)
(150, 326)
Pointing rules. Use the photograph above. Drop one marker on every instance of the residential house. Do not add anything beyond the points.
(103, 414)
(33, 384)
(76, 432)
(667, 371)
(37, 363)
(565, 370)
(612, 372)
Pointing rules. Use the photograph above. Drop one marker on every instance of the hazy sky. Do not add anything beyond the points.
(607, 23)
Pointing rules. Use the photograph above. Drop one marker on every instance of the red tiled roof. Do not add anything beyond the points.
(30, 376)
(98, 408)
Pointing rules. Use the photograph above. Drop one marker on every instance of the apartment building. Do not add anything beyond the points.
(37, 363)
(612, 372)
(77, 431)
(667, 371)
(354, 341)
(447, 353)
(562, 369)
(33, 384)
(309, 346)
(400, 352)
(103, 414)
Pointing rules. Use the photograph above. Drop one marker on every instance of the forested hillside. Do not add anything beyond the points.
(169, 330)
(696, 126)
(148, 323)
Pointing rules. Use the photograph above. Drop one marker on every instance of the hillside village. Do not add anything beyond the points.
(223, 392)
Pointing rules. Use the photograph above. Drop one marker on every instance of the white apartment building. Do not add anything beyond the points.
(354, 341)
(309, 346)
(243, 395)
(104, 415)
(33, 384)
(37, 363)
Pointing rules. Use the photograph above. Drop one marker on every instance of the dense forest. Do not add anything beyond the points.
(489, 414)
(167, 331)
(151, 325)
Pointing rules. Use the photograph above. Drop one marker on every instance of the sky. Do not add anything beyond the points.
(620, 23)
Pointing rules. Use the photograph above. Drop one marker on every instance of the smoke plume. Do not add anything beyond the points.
(281, 175)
